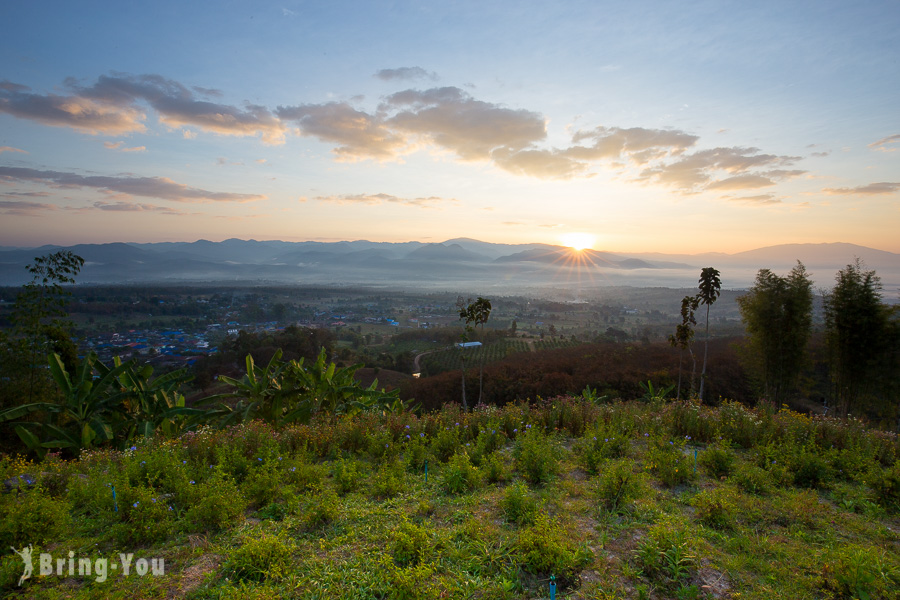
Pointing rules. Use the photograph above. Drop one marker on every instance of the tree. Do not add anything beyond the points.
(40, 326)
(512, 328)
(476, 313)
(683, 338)
(777, 314)
(710, 288)
(860, 336)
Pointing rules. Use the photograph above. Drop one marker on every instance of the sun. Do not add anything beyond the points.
(578, 241)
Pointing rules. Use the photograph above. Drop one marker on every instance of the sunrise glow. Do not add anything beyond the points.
(578, 241)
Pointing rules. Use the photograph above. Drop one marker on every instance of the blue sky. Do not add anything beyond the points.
(651, 126)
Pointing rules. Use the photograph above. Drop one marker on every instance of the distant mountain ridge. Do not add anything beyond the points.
(448, 263)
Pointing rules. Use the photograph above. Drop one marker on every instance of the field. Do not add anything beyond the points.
(622, 500)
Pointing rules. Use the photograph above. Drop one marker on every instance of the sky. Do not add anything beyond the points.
(645, 126)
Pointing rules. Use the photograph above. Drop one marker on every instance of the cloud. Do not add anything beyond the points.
(545, 164)
(23, 208)
(638, 143)
(374, 199)
(11, 149)
(120, 146)
(112, 106)
(162, 188)
(759, 199)
(122, 206)
(885, 144)
(76, 112)
(405, 73)
(872, 189)
(358, 134)
(695, 172)
(450, 118)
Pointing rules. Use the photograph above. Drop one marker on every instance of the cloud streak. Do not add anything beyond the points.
(162, 188)
(405, 74)
(376, 199)
(872, 189)
(886, 144)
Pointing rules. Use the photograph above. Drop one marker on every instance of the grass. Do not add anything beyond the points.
(775, 504)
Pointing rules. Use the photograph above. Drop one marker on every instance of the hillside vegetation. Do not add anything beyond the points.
(620, 500)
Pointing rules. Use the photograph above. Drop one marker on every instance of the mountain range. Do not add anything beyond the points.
(447, 265)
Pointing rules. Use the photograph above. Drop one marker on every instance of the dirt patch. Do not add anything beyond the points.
(193, 576)
(714, 582)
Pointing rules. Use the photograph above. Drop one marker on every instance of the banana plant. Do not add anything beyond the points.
(89, 407)
(155, 405)
(258, 393)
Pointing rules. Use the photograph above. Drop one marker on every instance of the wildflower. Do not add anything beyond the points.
(259, 459)
(421, 435)
(154, 500)
(407, 436)
(515, 431)
(143, 462)
(192, 482)
(293, 469)
(135, 504)
(407, 426)
(134, 447)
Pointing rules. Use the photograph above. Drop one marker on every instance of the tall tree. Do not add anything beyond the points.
(39, 317)
(710, 288)
(859, 333)
(477, 313)
(683, 338)
(777, 314)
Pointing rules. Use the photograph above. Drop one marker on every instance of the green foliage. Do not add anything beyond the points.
(260, 558)
(409, 544)
(215, 503)
(886, 484)
(537, 455)
(32, 517)
(715, 508)
(347, 475)
(666, 553)
(546, 548)
(753, 479)
(862, 342)
(389, 480)
(717, 460)
(618, 484)
(710, 287)
(600, 444)
(322, 508)
(460, 475)
(519, 505)
(860, 573)
(668, 461)
(777, 314)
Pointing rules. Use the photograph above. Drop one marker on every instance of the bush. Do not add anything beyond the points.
(715, 508)
(322, 509)
(518, 505)
(389, 480)
(494, 468)
(215, 503)
(147, 515)
(409, 544)
(546, 548)
(31, 517)
(347, 476)
(460, 475)
(753, 479)
(600, 445)
(717, 460)
(668, 461)
(855, 572)
(666, 554)
(812, 470)
(260, 557)
(618, 484)
(537, 456)
(886, 484)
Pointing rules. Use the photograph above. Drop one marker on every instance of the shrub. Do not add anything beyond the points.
(494, 467)
(599, 445)
(717, 460)
(666, 553)
(347, 476)
(322, 509)
(215, 503)
(546, 548)
(811, 470)
(31, 517)
(518, 505)
(618, 484)
(409, 544)
(753, 479)
(389, 480)
(147, 515)
(537, 456)
(264, 484)
(260, 557)
(668, 461)
(303, 475)
(855, 572)
(460, 475)
(886, 484)
(715, 508)
(445, 442)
